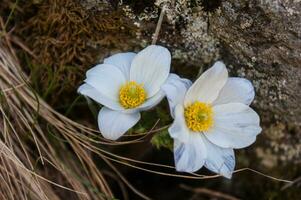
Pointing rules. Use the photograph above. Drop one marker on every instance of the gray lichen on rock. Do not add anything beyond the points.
(98, 5)
(262, 40)
(185, 30)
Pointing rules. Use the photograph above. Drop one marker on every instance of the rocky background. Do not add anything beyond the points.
(258, 39)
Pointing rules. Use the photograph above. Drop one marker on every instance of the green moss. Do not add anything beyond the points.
(66, 39)
(162, 139)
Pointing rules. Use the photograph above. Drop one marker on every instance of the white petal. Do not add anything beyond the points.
(89, 91)
(178, 130)
(107, 79)
(208, 85)
(236, 90)
(235, 126)
(153, 101)
(151, 67)
(122, 61)
(189, 156)
(113, 124)
(189, 149)
(175, 89)
(219, 160)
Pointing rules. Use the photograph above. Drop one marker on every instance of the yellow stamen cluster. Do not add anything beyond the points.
(199, 116)
(131, 95)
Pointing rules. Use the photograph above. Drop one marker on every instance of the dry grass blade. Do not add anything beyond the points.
(23, 136)
(15, 177)
(26, 109)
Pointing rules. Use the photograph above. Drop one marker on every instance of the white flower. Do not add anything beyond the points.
(212, 118)
(127, 83)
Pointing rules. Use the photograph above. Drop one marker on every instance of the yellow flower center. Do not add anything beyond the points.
(131, 95)
(199, 116)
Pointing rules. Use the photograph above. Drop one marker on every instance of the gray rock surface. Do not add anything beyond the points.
(262, 40)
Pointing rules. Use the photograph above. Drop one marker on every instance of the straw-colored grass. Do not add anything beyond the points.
(25, 146)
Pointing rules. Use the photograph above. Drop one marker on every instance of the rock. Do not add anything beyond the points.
(262, 40)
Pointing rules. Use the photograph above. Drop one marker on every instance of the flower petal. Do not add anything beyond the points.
(107, 79)
(219, 160)
(122, 61)
(175, 89)
(113, 124)
(153, 101)
(190, 156)
(178, 130)
(236, 90)
(235, 126)
(189, 149)
(208, 85)
(89, 91)
(151, 67)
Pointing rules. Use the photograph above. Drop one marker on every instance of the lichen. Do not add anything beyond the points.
(256, 42)
(184, 19)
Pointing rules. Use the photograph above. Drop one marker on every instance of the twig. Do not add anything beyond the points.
(208, 192)
(264, 175)
(158, 27)
(291, 184)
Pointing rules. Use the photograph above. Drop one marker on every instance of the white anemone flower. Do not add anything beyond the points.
(212, 117)
(125, 84)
